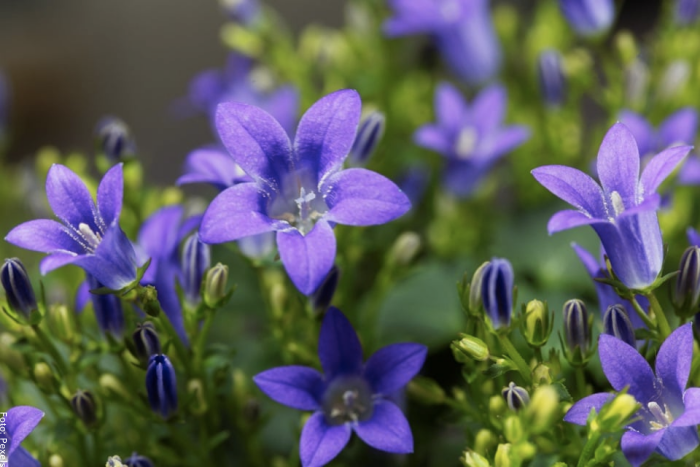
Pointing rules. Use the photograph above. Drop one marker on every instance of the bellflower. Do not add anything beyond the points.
(19, 422)
(687, 12)
(623, 211)
(351, 396)
(471, 137)
(588, 17)
(160, 237)
(666, 422)
(551, 77)
(299, 191)
(680, 128)
(88, 235)
(462, 29)
(243, 11)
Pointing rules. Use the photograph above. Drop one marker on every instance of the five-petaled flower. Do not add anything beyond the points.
(88, 235)
(666, 422)
(300, 191)
(352, 396)
(471, 137)
(623, 210)
(19, 422)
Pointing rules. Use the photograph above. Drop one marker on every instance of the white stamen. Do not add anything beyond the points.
(663, 416)
(304, 197)
(617, 203)
(466, 142)
(93, 239)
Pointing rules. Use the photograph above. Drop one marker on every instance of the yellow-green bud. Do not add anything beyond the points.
(615, 414)
(472, 347)
(215, 285)
(502, 458)
(111, 385)
(62, 323)
(542, 409)
(472, 459)
(426, 390)
(405, 249)
(538, 322)
(542, 375)
(44, 378)
(476, 305)
(525, 450)
(497, 406)
(513, 429)
(55, 461)
(195, 390)
(484, 441)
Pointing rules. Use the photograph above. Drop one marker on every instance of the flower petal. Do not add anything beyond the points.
(503, 141)
(44, 235)
(680, 127)
(387, 429)
(578, 413)
(326, 132)
(339, 348)
(569, 219)
(644, 134)
(693, 236)
(255, 140)
(392, 367)
(21, 458)
(574, 187)
(307, 258)
(320, 442)
(363, 197)
(450, 107)
(69, 198)
(660, 167)
(213, 166)
(674, 360)
(21, 421)
(158, 234)
(433, 137)
(235, 213)
(299, 387)
(691, 414)
(638, 447)
(57, 260)
(678, 441)
(166, 275)
(618, 164)
(624, 366)
(110, 193)
(488, 109)
(114, 261)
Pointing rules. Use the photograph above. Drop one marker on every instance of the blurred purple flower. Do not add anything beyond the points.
(551, 78)
(462, 29)
(351, 396)
(20, 421)
(243, 11)
(687, 12)
(588, 17)
(471, 137)
(413, 182)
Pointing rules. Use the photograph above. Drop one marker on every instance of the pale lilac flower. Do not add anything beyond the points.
(666, 422)
(680, 128)
(588, 17)
(350, 396)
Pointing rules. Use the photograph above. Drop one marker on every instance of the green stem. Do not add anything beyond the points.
(201, 341)
(580, 380)
(589, 448)
(175, 339)
(52, 350)
(519, 361)
(641, 313)
(538, 354)
(661, 320)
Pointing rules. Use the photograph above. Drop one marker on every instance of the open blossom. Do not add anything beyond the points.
(20, 421)
(350, 396)
(680, 128)
(299, 191)
(667, 421)
(462, 29)
(88, 234)
(623, 210)
(471, 137)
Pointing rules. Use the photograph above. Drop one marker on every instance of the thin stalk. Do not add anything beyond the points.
(641, 313)
(52, 350)
(519, 361)
(589, 448)
(664, 327)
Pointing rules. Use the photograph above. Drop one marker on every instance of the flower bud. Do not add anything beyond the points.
(62, 323)
(146, 342)
(497, 406)
(513, 429)
(215, 282)
(108, 309)
(323, 295)
(18, 288)
(111, 385)
(502, 458)
(614, 415)
(542, 409)
(114, 139)
(515, 396)
(44, 378)
(148, 298)
(497, 292)
(551, 78)
(538, 322)
(55, 461)
(472, 347)
(195, 262)
(476, 305)
(577, 332)
(484, 441)
(368, 136)
(405, 249)
(114, 461)
(686, 294)
(687, 12)
(198, 401)
(161, 386)
(472, 459)
(138, 461)
(616, 322)
(588, 17)
(85, 407)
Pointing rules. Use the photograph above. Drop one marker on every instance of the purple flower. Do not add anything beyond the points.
(161, 385)
(19, 422)
(212, 165)
(588, 17)
(497, 291)
(667, 421)
(551, 77)
(351, 396)
(623, 210)
(160, 237)
(680, 128)
(88, 235)
(299, 191)
(243, 11)
(472, 138)
(462, 29)
(687, 11)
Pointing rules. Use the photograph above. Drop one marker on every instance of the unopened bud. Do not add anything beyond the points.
(44, 377)
(472, 347)
(18, 288)
(577, 332)
(405, 249)
(472, 459)
(148, 297)
(195, 389)
(537, 324)
(56, 461)
(85, 407)
(615, 414)
(484, 441)
(497, 292)
(513, 429)
(515, 396)
(136, 460)
(686, 294)
(542, 409)
(616, 322)
(215, 285)
(62, 323)
(502, 458)
(114, 139)
(369, 134)
(194, 262)
(497, 405)
(111, 385)
(146, 342)
(161, 386)
(476, 306)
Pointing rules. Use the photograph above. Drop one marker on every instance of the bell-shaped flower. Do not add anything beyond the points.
(667, 421)
(19, 422)
(679, 128)
(462, 29)
(299, 191)
(623, 210)
(87, 235)
(551, 78)
(350, 396)
(471, 137)
(588, 17)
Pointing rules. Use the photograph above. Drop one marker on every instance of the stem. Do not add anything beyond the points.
(589, 448)
(664, 327)
(513, 353)
(175, 339)
(201, 341)
(538, 354)
(641, 313)
(580, 380)
(52, 350)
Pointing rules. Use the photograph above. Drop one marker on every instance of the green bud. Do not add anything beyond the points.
(525, 450)
(502, 458)
(497, 406)
(62, 323)
(626, 47)
(472, 459)
(215, 283)
(484, 441)
(513, 429)
(405, 249)
(614, 415)
(426, 390)
(148, 298)
(195, 389)
(111, 385)
(472, 347)
(542, 410)
(538, 323)
(55, 461)
(476, 305)
(85, 407)
(686, 293)
(44, 378)
(542, 375)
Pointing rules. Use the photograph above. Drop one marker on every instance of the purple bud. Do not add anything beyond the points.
(616, 322)
(85, 407)
(108, 309)
(368, 136)
(322, 297)
(195, 262)
(146, 342)
(687, 11)
(497, 291)
(138, 461)
(686, 294)
(588, 17)
(114, 139)
(18, 287)
(551, 78)
(161, 386)
(515, 396)
(577, 327)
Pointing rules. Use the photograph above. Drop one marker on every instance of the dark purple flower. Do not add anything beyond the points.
(88, 235)
(160, 238)
(623, 210)
(687, 11)
(19, 422)
(462, 29)
(471, 137)
(18, 288)
(667, 421)
(161, 385)
(588, 17)
(351, 396)
(497, 291)
(551, 77)
(299, 191)
(136, 460)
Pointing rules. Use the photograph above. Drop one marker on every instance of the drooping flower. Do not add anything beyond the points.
(88, 235)
(161, 385)
(666, 422)
(588, 17)
(19, 422)
(551, 77)
(623, 211)
(471, 137)
(462, 29)
(350, 396)
(299, 191)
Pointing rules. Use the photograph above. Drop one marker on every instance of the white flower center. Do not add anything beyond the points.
(466, 142)
(663, 417)
(617, 203)
(91, 238)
